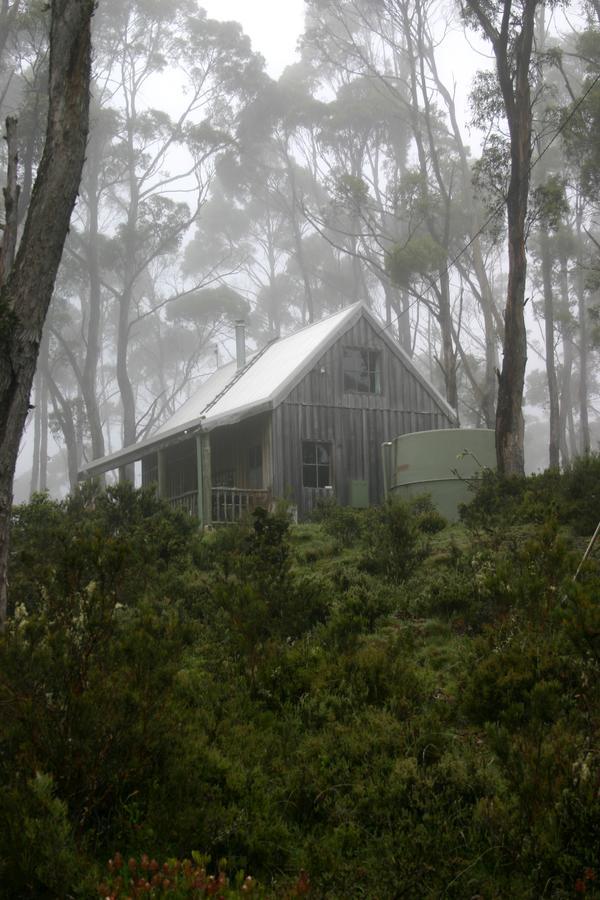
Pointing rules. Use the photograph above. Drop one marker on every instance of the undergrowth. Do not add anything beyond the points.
(369, 706)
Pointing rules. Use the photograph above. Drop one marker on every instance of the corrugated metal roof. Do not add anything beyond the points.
(265, 375)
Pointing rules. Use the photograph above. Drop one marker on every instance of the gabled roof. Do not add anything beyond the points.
(232, 394)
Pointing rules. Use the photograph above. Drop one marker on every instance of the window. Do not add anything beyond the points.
(362, 371)
(316, 465)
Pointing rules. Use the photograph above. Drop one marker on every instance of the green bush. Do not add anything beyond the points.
(394, 723)
(428, 519)
(120, 542)
(341, 522)
(571, 497)
(581, 492)
(38, 852)
(394, 544)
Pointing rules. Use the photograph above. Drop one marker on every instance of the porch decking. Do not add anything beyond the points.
(229, 504)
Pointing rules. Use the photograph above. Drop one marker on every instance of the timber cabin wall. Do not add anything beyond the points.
(353, 424)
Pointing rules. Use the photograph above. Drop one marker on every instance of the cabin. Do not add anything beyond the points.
(302, 418)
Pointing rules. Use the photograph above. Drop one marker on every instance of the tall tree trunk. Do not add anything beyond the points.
(566, 399)
(554, 442)
(293, 209)
(43, 476)
(512, 44)
(584, 425)
(39, 467)
(484, 295)
(126, 473)
(66, 417)
(448, 358)
(26, 295)
(34, 484)
(92, 356)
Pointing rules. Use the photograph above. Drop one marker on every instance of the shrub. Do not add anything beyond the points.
(38, 853)
(571, 497)
(341, 522)
(428, 518)
(121, 541)
(581, 492)
(394, 544)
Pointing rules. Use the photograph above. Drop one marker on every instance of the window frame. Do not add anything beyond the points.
(317, 466)
(373, 371)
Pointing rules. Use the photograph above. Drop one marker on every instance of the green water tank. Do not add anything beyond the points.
(440, 463)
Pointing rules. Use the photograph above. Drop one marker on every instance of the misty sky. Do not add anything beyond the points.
(272, 25)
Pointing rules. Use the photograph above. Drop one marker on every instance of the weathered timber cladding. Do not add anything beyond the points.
(354, 424)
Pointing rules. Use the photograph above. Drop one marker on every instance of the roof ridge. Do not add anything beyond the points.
(337, 312)
(236, 377)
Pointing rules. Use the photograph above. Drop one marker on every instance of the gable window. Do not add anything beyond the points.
(316, 464)
(362, 370)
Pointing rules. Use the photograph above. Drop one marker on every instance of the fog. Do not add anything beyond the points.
(282, 167)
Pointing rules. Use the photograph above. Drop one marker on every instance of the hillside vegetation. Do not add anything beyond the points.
(373, 705)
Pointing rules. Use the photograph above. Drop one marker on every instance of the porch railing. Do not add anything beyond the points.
(229, 504)
(188, 502)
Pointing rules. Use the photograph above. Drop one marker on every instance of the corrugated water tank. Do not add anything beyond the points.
(439, 463)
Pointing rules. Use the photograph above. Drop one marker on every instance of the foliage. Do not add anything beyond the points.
(38, 851)
(401, 713)
(395, 541)
(341, 522)
(420, 257)
(571, 497)
(351, 526)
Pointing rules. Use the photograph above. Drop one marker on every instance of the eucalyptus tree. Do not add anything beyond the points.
(551, 208)
(149, 167)
(392, 46)
(270, 141)
(256, 214)
(581, 73)
(29, 262)
(361, 152)
(24, 36)
(245, 226)
(509, 27)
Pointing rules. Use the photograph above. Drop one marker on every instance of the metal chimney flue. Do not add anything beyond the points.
(240, 343)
